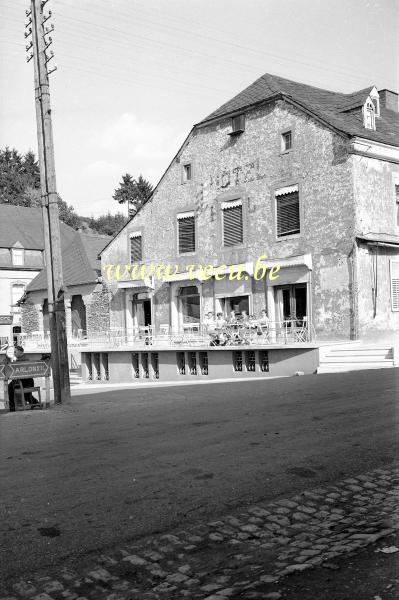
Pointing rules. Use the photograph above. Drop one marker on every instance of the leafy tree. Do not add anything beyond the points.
(134, 192)
(107, 224)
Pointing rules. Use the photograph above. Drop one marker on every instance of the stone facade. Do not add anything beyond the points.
(251, 166)
(30, 317)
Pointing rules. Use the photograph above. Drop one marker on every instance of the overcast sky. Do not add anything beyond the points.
(135, 75)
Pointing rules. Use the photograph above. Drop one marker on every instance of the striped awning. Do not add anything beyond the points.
(231, 204)
(290, 189)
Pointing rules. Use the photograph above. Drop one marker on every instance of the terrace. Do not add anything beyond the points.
(288, 332)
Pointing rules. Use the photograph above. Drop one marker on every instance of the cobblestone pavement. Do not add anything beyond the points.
(240, 556)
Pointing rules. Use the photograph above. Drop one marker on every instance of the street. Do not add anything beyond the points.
(114, 466)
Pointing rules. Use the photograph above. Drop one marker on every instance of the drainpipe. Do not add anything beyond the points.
(354, 253)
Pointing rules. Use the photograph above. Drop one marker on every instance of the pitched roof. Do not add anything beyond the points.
(335, 108)
(76, 266)
(93, 245)
(21, 224)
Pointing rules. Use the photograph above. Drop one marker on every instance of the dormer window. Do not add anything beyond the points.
(237, 124)
(375, 98)
(369, 114)
(17, 257)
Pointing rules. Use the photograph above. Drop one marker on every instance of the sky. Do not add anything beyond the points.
(133, 76)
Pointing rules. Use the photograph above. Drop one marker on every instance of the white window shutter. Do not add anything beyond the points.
(395, 285)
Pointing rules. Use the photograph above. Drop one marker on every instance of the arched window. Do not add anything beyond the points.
(369, 114)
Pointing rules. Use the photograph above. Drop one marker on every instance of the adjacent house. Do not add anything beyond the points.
(307, 179)
(21, 259)
(23, 280)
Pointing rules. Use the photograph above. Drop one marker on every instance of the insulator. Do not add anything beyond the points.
(29, 57)
(52, 70)
(28, 23)
(28, 33)
(47, 17)
(48, 30)
(29, 46)
(28, 13)
(48, 58)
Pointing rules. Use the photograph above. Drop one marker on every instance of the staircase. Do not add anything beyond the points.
(354, 357)
(74, 377)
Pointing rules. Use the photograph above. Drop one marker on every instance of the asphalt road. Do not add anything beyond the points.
(113, 466)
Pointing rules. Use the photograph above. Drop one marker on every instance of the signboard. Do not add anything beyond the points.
(5, 319)
(2, 374)
(22, 370)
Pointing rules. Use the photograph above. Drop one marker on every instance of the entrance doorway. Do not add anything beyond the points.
(238, 304)
(291, 302)
(78, 316)
(142, 312)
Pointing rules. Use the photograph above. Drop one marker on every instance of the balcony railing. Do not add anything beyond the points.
(196, 334)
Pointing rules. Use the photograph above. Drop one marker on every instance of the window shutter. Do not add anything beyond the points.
(288, 214)
(232, 226)
(186, 234)
(395, 285)
(135, 249)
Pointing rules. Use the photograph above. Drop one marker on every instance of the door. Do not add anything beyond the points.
(291, 302)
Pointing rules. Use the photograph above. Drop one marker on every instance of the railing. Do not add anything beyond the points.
(193, 335)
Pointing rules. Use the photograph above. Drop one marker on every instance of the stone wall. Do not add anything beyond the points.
(98, 309)
(30, 320)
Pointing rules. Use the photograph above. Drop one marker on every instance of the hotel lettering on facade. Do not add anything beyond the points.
(307, 177)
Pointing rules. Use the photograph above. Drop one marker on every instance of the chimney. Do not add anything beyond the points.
(389, 100)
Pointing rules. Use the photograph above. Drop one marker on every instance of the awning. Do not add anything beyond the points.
(198, 274)
(290, 261)
(290, 189)
(144, 284)
(186, 215)
(231, 204)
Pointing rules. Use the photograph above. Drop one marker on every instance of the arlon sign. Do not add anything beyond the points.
(23, 370)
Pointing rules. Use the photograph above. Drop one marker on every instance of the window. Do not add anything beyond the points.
(287, 211)
(233, 234)
(237, 124)
(17, 256)
(237, 360)
(186, 232)
(136, 253)
(203, 361)
(144, 365)
(264, 361)
(155, 365)
(187, 172)
(369, 114)
(135, 365)
(192, 363)
(286, 141)
(397, 203)
(394, 285)
(250, 360)
(181, 363)
(17, 291)
(189, 300)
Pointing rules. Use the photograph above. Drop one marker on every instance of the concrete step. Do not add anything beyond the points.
(344, 367)
(335, 359)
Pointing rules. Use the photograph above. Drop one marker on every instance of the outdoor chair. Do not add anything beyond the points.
(19, 397)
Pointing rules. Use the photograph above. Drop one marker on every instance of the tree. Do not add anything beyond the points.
(107, 224)
(20, 184)
(134, 192)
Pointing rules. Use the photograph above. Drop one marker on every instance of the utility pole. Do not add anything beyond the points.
(38, 48)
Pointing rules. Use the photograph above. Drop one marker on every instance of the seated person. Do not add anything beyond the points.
(209, 322)
(263, 318)
(220, 327)
(244, 317)
(19, 354)
(233, 317)
(220, 321)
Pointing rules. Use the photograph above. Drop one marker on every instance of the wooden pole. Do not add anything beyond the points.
(51, 225)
